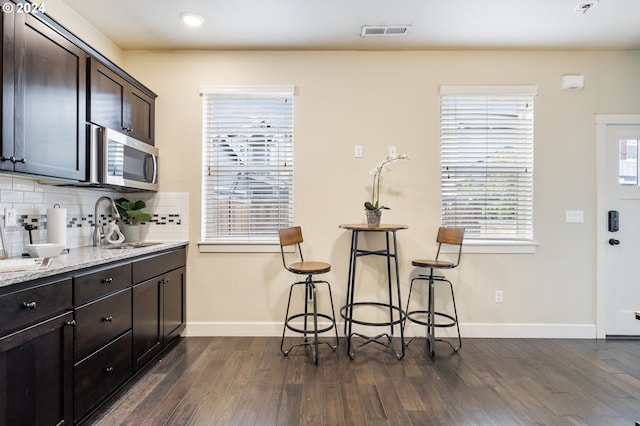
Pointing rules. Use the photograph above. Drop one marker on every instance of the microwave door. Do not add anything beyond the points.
(129, 163)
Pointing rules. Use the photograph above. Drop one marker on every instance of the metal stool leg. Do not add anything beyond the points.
(431, 334)
(333, 316)
(286, 321)
(455, 313)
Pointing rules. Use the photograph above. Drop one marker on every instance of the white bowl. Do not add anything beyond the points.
(43, 249)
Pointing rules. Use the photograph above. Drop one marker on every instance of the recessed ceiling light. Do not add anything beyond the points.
(191, 19)
(586, 5)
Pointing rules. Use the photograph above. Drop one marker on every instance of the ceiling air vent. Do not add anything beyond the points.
(384, 30)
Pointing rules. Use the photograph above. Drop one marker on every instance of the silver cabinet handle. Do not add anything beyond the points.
(29, 305)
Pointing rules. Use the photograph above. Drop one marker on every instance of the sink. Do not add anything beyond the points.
(131, 245)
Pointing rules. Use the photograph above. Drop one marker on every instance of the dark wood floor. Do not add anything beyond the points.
(246, 381)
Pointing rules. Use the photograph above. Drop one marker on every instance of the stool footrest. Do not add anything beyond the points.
(411, 316)
(310, 323)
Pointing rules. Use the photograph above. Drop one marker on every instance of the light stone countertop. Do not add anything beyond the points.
(84, 257)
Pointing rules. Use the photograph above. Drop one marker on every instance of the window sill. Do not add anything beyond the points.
(495, 247)
(219, 247)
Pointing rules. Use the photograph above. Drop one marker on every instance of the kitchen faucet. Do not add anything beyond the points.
(97, 233)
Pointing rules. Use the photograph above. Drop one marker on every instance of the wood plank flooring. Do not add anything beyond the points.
(246, 381)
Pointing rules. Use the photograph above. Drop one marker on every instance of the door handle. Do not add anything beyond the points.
(613, 242)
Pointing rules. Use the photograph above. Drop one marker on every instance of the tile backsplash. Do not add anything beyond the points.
(30, 199)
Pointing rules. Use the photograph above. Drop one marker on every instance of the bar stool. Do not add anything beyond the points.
(431, 318)
(293, 237)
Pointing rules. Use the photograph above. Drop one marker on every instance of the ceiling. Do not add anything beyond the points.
(337, 24)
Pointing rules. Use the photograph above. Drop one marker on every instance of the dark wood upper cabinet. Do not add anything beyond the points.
(52, 85)
(44, 85)
(120, 105)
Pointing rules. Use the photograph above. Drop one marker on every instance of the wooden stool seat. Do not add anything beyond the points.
(439, 264)
(309, 267)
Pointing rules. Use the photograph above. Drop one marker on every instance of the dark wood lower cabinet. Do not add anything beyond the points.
(37, 374)
(147, 321)
(158, 314)
(69, 342)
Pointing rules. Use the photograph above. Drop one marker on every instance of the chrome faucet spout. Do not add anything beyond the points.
(97, 233)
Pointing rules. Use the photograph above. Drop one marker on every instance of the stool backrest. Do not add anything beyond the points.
(289, 237)
(450, 236)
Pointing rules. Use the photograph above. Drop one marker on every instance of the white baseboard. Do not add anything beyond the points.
(480, 330)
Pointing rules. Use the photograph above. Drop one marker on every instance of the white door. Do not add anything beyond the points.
(622, 252)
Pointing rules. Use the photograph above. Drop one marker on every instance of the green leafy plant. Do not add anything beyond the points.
(383, 166)
(130, 211)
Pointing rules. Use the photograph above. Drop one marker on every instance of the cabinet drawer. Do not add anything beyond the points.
(98, 282)
(27, 306)
(100, 374)
(153, 266)
(101, 321)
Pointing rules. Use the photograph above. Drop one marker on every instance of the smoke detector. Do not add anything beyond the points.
(384, 30)
(586, 5)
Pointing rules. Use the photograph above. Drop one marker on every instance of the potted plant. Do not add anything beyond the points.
(373, 208)
(132, 216)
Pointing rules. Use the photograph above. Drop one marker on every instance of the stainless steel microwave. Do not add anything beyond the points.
(120, 161)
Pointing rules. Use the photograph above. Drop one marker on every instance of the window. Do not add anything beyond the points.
(247, 180)
(487, 161)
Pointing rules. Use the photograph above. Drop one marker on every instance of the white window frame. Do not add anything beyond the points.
(251, 161)
(460, 159)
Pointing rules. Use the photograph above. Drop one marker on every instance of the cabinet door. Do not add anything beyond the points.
(139, 115)
(50, 102)
(174, 303)
(119, 105)
(107, 91)
(147, 323)
(36, 374)
(8, 24)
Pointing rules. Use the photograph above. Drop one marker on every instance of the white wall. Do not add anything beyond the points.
(376, 99)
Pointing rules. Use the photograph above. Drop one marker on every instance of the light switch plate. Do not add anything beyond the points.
(574, 216)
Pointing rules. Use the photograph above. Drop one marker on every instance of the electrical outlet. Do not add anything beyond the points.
(392, 150)
(10, 217)
(357, 151)
(498, 296)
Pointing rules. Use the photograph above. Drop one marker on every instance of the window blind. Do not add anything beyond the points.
(487, 161)
(247, 176)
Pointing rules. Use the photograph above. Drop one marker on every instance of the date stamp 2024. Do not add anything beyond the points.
(29, 8)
